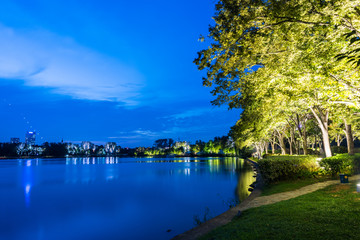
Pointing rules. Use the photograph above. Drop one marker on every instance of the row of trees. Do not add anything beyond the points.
(291, 65)
(219, 146)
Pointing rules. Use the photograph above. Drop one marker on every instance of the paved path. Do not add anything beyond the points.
(254, 200)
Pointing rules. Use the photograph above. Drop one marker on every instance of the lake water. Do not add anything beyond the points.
(115, 198)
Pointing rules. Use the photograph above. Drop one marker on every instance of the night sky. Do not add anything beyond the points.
(106, 71)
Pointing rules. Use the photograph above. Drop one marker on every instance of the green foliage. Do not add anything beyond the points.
(277, 58)
(313, 151)
(341, 163)
(339, 149)
(352, 56)
(195, 149)
(276, 168)
(245, 152)
(356, 164)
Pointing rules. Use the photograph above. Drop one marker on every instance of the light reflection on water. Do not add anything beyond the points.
(111, 198)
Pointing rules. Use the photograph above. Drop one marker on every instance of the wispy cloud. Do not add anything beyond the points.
(138, 134)
(124, 137)
(147, 133)
(191, 113)
(44, 59)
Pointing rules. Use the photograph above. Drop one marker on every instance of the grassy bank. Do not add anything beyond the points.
(287, 173)
(330, 213)
(290, 185)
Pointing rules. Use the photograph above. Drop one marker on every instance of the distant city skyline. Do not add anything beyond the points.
(106, 71)
(30, 139)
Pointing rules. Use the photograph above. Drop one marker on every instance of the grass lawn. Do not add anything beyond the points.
(330, 213)
(290, 185)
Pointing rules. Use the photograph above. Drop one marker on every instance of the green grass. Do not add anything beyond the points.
(330, 213)
(290, 185)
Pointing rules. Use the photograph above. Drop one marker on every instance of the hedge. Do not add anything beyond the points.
(276, 168)
(342, 163)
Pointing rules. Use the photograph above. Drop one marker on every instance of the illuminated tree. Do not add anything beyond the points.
(195, 149)
(273, 51)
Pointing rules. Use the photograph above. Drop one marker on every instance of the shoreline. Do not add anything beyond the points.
(121, 156)
(227, 216)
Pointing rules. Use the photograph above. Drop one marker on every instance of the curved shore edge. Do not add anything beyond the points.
(227, 216)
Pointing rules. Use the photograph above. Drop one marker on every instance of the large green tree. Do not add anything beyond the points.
(265, 52)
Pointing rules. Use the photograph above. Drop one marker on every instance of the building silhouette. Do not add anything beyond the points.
(30, 138)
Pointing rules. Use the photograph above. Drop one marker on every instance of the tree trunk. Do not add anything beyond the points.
(304, 140)
(282, 144)
(313, 144)
(321, 149)
(300, 123)
(349, 138)
(272, 147)
(297, 149)
(292, 140)
(322, 119)
(280, 137)
(267, 148)
(338, 139)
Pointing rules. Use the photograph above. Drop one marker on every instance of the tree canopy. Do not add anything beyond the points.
(280, 62)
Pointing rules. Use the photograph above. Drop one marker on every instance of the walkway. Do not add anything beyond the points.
(254, 200)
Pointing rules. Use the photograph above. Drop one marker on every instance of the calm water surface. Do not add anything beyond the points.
(115, 198)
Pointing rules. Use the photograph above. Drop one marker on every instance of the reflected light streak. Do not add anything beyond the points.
(27, 194)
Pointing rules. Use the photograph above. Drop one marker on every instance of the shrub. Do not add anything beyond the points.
(340, 149)
(275, 168)
(245, 152)
(356, 163)
(313, 151)
(342, 163)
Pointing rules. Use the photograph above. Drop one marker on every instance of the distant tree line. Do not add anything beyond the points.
(219, 146)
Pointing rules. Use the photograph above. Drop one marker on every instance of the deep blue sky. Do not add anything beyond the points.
(105, 70)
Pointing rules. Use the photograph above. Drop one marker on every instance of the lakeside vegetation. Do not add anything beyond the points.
(282, 168)
(287, 173)
(330, 213)
(292, 67)
(303, 217)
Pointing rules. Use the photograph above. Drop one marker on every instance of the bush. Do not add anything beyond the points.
(340, 149)
(275, 168)
(245, 152)
(356, 163)
(313, 151)
(342, 163)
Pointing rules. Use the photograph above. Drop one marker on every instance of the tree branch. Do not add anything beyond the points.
(288, 19)
(346, 83)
